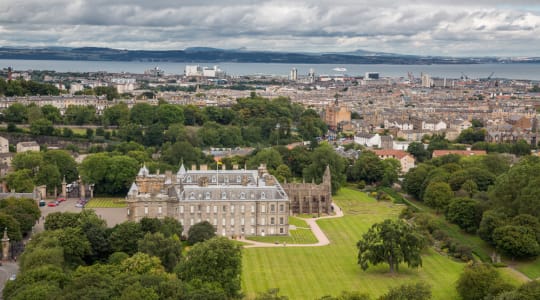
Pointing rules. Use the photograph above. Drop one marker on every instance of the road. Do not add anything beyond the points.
(6, 270)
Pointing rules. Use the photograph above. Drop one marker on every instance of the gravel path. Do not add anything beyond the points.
(312, 222)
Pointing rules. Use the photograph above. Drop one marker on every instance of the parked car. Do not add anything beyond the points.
(12, 277)
(61, 199)
(42, 202)
(52, 204)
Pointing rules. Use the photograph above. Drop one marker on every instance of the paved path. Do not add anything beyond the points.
(312, 222)
(6, 270)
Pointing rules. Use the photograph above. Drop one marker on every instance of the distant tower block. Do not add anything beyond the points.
(294, 74)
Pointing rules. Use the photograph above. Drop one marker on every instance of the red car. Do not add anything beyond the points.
(61, 199)
(52, 204)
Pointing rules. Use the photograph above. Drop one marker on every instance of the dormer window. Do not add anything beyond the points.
(242, 195)
(192, 196)
(238, 179)
(214, 179)
(188, 179)
(263, 195)
(226, 179)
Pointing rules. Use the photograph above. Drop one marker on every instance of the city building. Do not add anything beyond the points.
(405, 159)
(294, 74)
(27, 146)
(236, 202)
(336, 115)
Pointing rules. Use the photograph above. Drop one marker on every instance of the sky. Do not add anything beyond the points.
(434, 27)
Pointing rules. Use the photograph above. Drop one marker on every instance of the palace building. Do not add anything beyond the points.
(237, 202)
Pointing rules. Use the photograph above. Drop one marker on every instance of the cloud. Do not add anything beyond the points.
(415, 27)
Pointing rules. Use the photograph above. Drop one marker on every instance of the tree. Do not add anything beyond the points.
(478, 282)
(20, 181)
(491, 220)
(391, 168)
(170, 227)
(414, 179)
(51, 113)
(368, 168)
(168, 114)
(419, 152)
(323, 156)
(15, 113)
(64, 162)
(201, 232)
(142, 114)
(125, 236)
(24, 210)
(116, 115)
(464, 212)
(438, 195)
(74, 243)
(392, 242)
(48, 175)
(41, 127)
(60, 220)
(216, 260)
(12, 225)
(417, 291)
(282, 173)
(271, 294)
(516, 241)
(268, 156)
(168, 250)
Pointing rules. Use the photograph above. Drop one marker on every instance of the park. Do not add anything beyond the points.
(313, 272)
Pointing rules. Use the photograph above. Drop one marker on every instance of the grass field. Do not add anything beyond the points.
(530, 268)
(298, 222)
(106, 202)
(482, 249)
(313, 272)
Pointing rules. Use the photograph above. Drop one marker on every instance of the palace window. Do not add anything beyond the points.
(215, 222)
(242, 209)
(242, 221)
(281, 208)
(263, 195)
(181, 209)
(192, 196)
(232, 221)
(242, 195)
(280, 230)
(238, 179)
(146, 210)
(263, 221)
(215, 209)
(223, 195)
(252, 208)
(281, 220)
(232, 209)
(208, 209)
(224, 208)
(214, 179)
(272, 221)
(223, 221)
(159, 210)
(188, 179)
(263, 208)
(191, 221)
(226, 179)
(207, 196)
(252, 221)
(192, 209)
(272, 208)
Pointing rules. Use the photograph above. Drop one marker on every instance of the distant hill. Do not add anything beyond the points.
(206, 54)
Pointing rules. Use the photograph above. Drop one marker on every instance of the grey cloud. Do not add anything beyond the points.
(426, 27)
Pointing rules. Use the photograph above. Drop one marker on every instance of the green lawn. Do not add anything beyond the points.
(312, 272)
(298, 222)
(530, 268)
(297, 236)
(106, 202)
(482, 249)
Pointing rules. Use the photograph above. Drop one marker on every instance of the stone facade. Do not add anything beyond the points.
(236, 202)
(310, 198)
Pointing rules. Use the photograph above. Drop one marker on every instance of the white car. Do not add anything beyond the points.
(13, 277)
